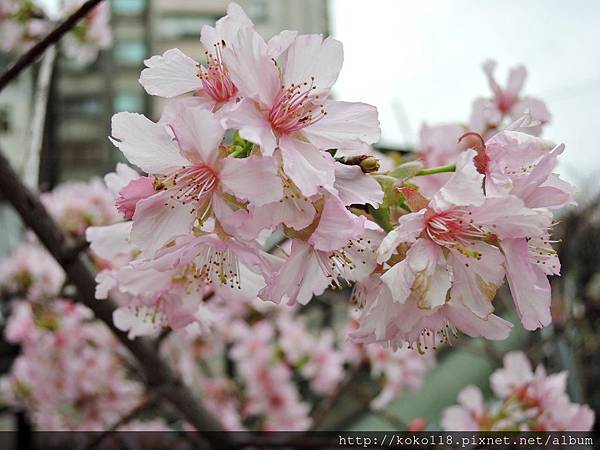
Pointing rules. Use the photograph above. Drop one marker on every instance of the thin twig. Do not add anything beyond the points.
(38, 49)
(149, 401)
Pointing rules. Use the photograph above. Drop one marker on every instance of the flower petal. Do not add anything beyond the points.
(493, 327)
(311, 57)
(171, 74)
(410, 226)
(252, 125)
(336, 226)
(529, 286)
(465, 186)
(356, 187)
(146, 144)
(347, 125)
(251, 67)
(298, 279)
(476, 279)
(254, 179)
(309, 168)
(199, 133)
(155, 222)
(109, 241)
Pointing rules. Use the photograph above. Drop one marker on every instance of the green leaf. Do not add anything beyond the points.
(406, 171)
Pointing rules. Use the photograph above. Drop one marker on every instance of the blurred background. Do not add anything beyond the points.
(418, 62)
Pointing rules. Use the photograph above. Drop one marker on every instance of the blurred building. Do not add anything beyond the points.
(84, 99)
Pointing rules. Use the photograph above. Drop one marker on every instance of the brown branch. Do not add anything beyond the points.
(78, 269)
(329, 403)
(149, 401)
(38, 49)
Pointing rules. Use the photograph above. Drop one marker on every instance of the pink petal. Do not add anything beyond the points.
(280, 43)
(508, 217)
(299, 278)
(336, 226)
(146, 144)
(252, 125)
(346, 125)
(399, 279)
(254, 179)
(356, 187)
(109, 241)
(516, 80)
(226, 28)
(410, 226)
(171, 74)
(136, 190)
(488, 68)
(199, 133)
(465, 186)
(251, 67)
(494, 327)
(311, 56)
(529, 286)
(156, 223)
(309, 168)
(477, 279)
(117, 180)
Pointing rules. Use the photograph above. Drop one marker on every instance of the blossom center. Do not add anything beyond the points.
(195, 183)
(450, 228)
(215, 76)
(295, 108)
(218, 266)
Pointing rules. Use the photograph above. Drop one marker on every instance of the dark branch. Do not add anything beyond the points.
(38, 49)
(78, 269)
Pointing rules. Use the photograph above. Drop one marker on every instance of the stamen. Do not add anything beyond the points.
(215, 76)
(295, 108)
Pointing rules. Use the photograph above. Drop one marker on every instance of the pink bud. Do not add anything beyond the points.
(417, 424)
(136, 190)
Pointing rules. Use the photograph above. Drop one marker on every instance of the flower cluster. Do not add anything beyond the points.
(277, 364)
(71, 373)
(527, 400)
(269, 368)
(246, 154)
(68, 375)
(259, 147)
(23, 23)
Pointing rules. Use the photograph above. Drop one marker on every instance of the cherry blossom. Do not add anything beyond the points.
(528, 401)
(506, 102)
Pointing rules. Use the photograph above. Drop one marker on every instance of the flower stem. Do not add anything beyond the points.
(434, 170)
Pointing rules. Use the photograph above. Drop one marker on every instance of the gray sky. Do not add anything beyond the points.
(424, 58)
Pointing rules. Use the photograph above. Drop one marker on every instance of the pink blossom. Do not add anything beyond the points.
(506, 102)
(529, 401)
(192, 178)
(449, 248)
(339, 247)
(71, 377)
(30, 272)
(130, 195)
(78, 205)
(438, 146)
(288, 111)
(90, 35)
(174, 73)
(471, 413)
